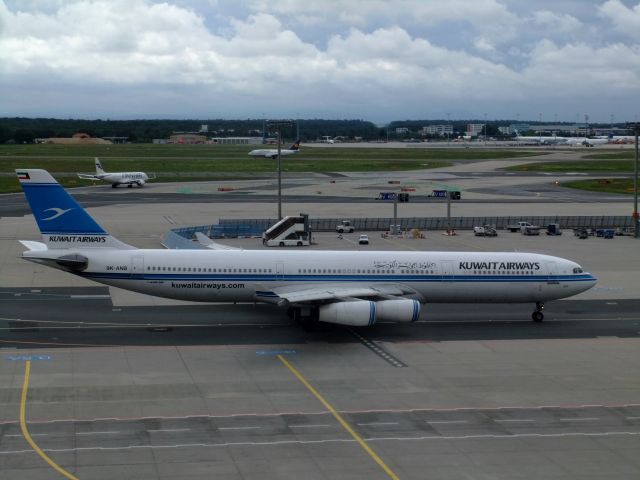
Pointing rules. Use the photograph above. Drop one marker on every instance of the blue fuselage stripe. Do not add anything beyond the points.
(339, 278)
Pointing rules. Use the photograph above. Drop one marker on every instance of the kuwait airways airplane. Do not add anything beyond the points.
(115, 179)
(344, 287)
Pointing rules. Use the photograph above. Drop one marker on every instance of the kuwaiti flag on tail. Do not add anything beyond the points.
(62, 221)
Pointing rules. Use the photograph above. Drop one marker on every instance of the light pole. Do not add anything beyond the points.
(636, 218)
(279, 124)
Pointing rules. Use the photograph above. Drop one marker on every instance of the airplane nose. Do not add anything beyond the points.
(590, 282)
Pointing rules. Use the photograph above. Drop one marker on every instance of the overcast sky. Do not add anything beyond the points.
(372, 59)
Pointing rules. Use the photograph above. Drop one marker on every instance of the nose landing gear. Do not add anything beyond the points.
(537, 315)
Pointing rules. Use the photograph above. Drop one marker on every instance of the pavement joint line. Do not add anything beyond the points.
(340, 419)
(25, 430)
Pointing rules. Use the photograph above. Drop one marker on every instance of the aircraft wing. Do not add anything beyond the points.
(322, 293)
(207, 242)
(87, 176)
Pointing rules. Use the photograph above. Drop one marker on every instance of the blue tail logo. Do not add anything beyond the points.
(58, 212)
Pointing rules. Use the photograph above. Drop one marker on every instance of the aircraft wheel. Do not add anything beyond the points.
(114, 185)
(281, 244)
(130, 185)
(537, 316)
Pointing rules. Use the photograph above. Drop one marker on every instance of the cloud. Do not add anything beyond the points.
(625, 20)
(140, 57)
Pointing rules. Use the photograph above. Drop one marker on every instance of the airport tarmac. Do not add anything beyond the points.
(124, 386)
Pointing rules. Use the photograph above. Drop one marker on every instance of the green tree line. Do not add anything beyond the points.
(26, 130)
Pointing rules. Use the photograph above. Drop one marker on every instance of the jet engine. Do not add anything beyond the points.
(363, 313)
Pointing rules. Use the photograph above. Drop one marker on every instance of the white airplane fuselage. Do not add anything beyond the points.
(248, 275)
(124, 178)
(270, 152)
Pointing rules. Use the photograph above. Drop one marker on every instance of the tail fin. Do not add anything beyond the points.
(99, 169)
(63, 223)
(295, 146)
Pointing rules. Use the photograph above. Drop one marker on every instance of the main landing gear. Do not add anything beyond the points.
(537, 315)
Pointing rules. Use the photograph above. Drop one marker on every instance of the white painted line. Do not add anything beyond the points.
(377, 423)
(171, 430)
(237, 428)
(585, 419)
(632, 418)
(434, 422)
(33, 435)
(308, 426)
(316, 442)
(96, 433)
(512, 420)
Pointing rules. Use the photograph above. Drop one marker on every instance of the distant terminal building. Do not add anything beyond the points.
(77, 139)
(475, 129)
(519, 127)
(187, 139)
(236, 140)
(441, 130)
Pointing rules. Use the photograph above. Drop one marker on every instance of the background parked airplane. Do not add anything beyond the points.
(345, 287)
(273, 152)
(115, 179)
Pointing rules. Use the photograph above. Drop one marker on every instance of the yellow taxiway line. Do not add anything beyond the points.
(340, 420)
(25, 431)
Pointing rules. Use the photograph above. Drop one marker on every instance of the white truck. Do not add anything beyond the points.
(345, 227)
(525, 228)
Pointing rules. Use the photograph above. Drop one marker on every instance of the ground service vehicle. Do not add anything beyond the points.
(363, 240)
(345, 227)
(485, 231)
(521, 227)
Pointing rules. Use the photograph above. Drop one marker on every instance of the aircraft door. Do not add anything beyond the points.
(447, 270)
(552, 273)
(137, 265)
(279, 270)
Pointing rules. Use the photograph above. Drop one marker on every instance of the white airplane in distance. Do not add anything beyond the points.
(357, 288)
(273, 152)
(115, 179)
(586, 142)
(554, 140)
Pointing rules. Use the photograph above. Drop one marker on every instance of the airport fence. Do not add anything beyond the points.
(232, 228)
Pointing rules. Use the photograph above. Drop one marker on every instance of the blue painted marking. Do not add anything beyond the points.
(372, 313)
(275, 352)
(24, 358)
(416, 311)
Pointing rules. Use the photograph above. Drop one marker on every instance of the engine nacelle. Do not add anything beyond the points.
(398, 310)
(362, 313)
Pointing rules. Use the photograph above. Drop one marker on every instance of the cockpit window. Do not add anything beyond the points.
(578, 270)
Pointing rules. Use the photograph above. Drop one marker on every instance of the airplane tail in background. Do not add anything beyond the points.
(99, 169)
(295, 146)
(63, 223)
